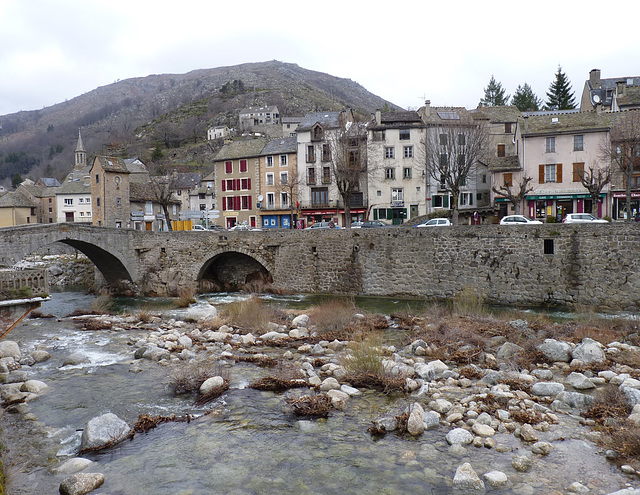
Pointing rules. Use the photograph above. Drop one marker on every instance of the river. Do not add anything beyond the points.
(252, 444)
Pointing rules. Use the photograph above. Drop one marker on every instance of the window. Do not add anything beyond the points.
(284, 177)
(243, 166)
(551, 145)
(507, 180)
(311, 176)
(501, 150)
(378, 193)
(461, 139)
(228, 167)
(118, 202)
(326, 153)
(50, 210)
(81, 200)
(443, 139)
(408, 151)
(443, 159)
(86, 200)
(578, 143)
(97, 179)
(397, 195)
(202, 196)
(461, 160)
(390, 173)
(245, 184)
(203, 206)
(283, 160)
(271, 201)
(484, 178)
(311, 154)
(326, 175)
(406, 173)
(507, 128)
(405, 134)
(466, 199)
(245, 202)
(270, 179)
(269, 161)
(389, 152)
(49, 200)
(320, 196)
(98, 202)
(284, 200)
(353, 158)
(578, 172)
(550, 173)
(68, 202)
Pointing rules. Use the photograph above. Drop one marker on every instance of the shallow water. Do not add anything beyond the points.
(251, 444)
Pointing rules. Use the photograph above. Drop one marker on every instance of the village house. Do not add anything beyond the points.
(73, 197)
(610, 95)
(278, 183)
(110, 192)
(218, 132)
(43, 193)
(395, 164)
(257, 118)
(17, 209)
(237, 173)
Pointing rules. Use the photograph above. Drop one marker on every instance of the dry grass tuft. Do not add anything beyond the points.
(186, 296)
(522, 417)
(610, 403)
(333, 315)
(403, 423)
(258, 359)
(251, 314)
(468, 302)
(277, 384)
(315, 406)
(188, 378)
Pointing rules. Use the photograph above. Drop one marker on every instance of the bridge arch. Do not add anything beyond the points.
(232, 269)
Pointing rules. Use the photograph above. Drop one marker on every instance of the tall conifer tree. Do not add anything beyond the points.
(494, 95)
(560, 95)
(525, 99)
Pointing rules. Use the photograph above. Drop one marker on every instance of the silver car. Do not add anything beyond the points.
(582, 218)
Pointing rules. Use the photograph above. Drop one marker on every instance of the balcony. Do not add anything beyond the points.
(398, 203)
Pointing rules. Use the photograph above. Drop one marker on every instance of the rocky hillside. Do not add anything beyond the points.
(132, 116)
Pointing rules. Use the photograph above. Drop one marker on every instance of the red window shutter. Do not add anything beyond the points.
(239, 186)
(224, 202)
(249, 184)
(228, 166)
(540, 174)
(249, 202)
(236, 202)
(224, 185)
(243, 165)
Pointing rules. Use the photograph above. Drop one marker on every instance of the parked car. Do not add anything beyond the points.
(216, 227)
(582, 218)
(356, 225)
(198, 227)
(322, 225)
(372, 224)
(243, 227)
(518, 220)
(436, 222)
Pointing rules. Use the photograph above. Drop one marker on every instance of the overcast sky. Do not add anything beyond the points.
(54, 50)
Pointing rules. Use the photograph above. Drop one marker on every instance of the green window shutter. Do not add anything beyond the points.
(445, 201)
(389, 213)
(433, 201)
(375, 213)
(479, 196)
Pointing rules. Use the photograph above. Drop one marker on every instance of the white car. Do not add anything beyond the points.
(198, 227)
(582, 218)
(518, 220)
(244, 227)
(436, 222)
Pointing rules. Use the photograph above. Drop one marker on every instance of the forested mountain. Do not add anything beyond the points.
(170, 112)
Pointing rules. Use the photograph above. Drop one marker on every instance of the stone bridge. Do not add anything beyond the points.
(591, 265)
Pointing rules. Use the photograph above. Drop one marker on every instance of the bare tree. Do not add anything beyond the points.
(623, 150)
(452, 155)
(290, 188)
(594, 179)
(163, 186)
(517, 195)
(348, 157)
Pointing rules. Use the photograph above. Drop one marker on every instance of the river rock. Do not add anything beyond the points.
(352, 391)
(338, 398)
(81, 484)
(441, 406)
(467, 479)
(72, 465)
(34, 386)
(13, 377)
(496, 479)
(40, 356)
(430, 371)
(211, 336)
(103, 430)
(528, 434)
(75, 359)
(459, 436)
(483, 430)
(155, 353)
(589, 351)
(573, 400)
(541, 448)
(211, 384)
(385, 423)
(300, 321)
(415, 424)
(579, 381)
(431, 420)
(521, 463)
(547, 389)
(201, 312)
(626, 491)
(508, 350)
(329, 384)
(185, 341)
(270, 336)
(556, 350)
(9, 348)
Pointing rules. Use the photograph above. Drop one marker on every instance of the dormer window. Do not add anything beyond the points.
(317, 133)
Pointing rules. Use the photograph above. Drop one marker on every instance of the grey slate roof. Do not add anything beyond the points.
(187, 180)
(76, 182)
(568, 123)
(434, 117)
(112, 164)
(243, 148)
(501, 114)
(608, 88)
(280, 146)
(50, 182)
(328, 120)
(17, 199)
(135, 166)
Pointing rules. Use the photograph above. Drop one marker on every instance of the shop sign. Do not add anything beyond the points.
(634, 195)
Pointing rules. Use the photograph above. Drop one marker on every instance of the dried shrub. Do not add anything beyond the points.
(492, 403)
(624, 438)
(258, 359)
(471, 372)
(101, 305)
(144, 315)
(530, 417)
(468, 302)
(333, 315)
(212, 394)
(405, 321)
(251, 314)
(316, 406)
(96, 325)
(186, 296)
(276, 384)
(402, 423)
(365, 356)
(38, 314)
(146, 422)
(516, 384)
(610, 403)
(188, 378)
(466, 355)
(381, 382)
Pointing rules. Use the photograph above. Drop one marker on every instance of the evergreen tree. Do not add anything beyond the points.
(560, 96)
(494, 94)
(16, 180)
(525, 99)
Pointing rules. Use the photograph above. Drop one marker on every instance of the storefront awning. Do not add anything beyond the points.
(561, 196)
(332, 212)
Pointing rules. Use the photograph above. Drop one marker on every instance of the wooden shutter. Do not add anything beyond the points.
(249, 183)
(540, 174)
(559, 172)
(250, 204)
(445, 201)
(224, 185)
(224, 204)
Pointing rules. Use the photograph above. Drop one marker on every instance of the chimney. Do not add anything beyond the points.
(620, 85)
(378, 117)
(427, 107)
(594, 78)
